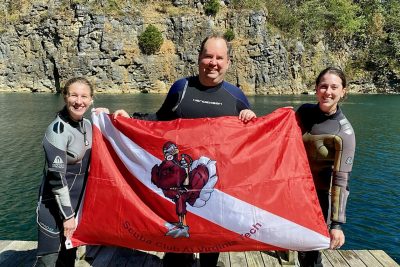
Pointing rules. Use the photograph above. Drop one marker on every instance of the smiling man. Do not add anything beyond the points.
(202, 96)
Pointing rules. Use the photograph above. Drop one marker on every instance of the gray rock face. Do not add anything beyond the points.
(44, 49)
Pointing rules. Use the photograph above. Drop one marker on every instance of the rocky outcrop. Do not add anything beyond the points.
(51, 44)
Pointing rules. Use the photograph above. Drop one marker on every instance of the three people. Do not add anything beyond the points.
(327, 135)
(330, 145)
(67, 145)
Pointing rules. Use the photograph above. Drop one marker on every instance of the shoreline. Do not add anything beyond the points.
(112, 92)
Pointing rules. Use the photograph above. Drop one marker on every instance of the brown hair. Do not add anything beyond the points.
(338, 72)
(76, 80)
(215, 36)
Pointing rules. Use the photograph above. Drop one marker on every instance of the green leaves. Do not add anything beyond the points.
(211, 7)
(150, 40)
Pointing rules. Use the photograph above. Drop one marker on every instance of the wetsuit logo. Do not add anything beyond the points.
(58, 163)
(184, 181)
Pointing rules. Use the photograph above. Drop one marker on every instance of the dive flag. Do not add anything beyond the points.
(201, 185)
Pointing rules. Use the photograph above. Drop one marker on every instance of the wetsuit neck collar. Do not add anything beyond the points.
(332, 116)
(201, 87)
(64, 115)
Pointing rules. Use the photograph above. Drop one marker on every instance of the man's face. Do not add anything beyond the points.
(213, 62)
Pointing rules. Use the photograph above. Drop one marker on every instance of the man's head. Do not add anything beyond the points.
(213, 60)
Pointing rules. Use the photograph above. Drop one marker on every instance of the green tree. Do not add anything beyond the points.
(252, 4)
(392, 28)
(229, 35)
(150, 40)
(211, 7)
(336, 19)
(284, 16)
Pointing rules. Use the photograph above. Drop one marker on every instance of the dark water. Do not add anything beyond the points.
(373, 211)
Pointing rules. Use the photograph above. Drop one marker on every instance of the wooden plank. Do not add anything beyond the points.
(3, 244)
(351, 258)
(23, 253)
(270, 258)
(224, 259)
(334, 257)
(237, 259)
(325, 261)
(254, 259)
(367, 258)
(82, 263)
(104, 256)
(286, 257)
(384, 258)
(18, 253)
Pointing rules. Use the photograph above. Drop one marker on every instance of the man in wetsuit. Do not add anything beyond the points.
(205, 95)
(330, 144)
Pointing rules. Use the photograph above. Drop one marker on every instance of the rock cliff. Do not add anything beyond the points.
(53, 42)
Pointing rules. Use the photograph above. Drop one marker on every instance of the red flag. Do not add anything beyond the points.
(201, 185)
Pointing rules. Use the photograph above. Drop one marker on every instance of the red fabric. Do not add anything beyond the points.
(261, 163)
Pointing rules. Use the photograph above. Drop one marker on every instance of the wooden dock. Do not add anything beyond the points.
(22, 253)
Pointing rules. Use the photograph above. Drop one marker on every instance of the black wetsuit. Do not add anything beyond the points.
(188, 98)
(330, 145)
(67, 145)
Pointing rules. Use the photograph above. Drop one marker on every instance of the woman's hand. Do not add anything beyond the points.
(69, 227)
(246, 115)
(337, 238)
(121, 112)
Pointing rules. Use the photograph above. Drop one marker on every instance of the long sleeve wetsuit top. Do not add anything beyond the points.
(67, 145)
(330, 145)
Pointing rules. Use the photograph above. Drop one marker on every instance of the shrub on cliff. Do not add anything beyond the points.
(229, 35)
(150, 40)
(211, 8)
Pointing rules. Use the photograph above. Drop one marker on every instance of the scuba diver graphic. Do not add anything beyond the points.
(184, 181)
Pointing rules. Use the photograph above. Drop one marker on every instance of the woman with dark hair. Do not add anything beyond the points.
(330, 144)
(67, 144)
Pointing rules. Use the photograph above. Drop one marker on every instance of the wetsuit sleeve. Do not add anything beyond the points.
(241, 100)
(344, 156)
(303, 117)
(145, 116)
(55, 145)
(167, 109)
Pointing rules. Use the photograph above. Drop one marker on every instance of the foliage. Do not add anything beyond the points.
(229, 35)
(253, 4)
(380, 40)
(392, 27)
(284, 17)
(211, 7)
(150, 40)
(337, 19)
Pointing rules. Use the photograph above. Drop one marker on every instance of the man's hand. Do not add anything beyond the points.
(337, 238)
(246, 115)
(121, 112)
